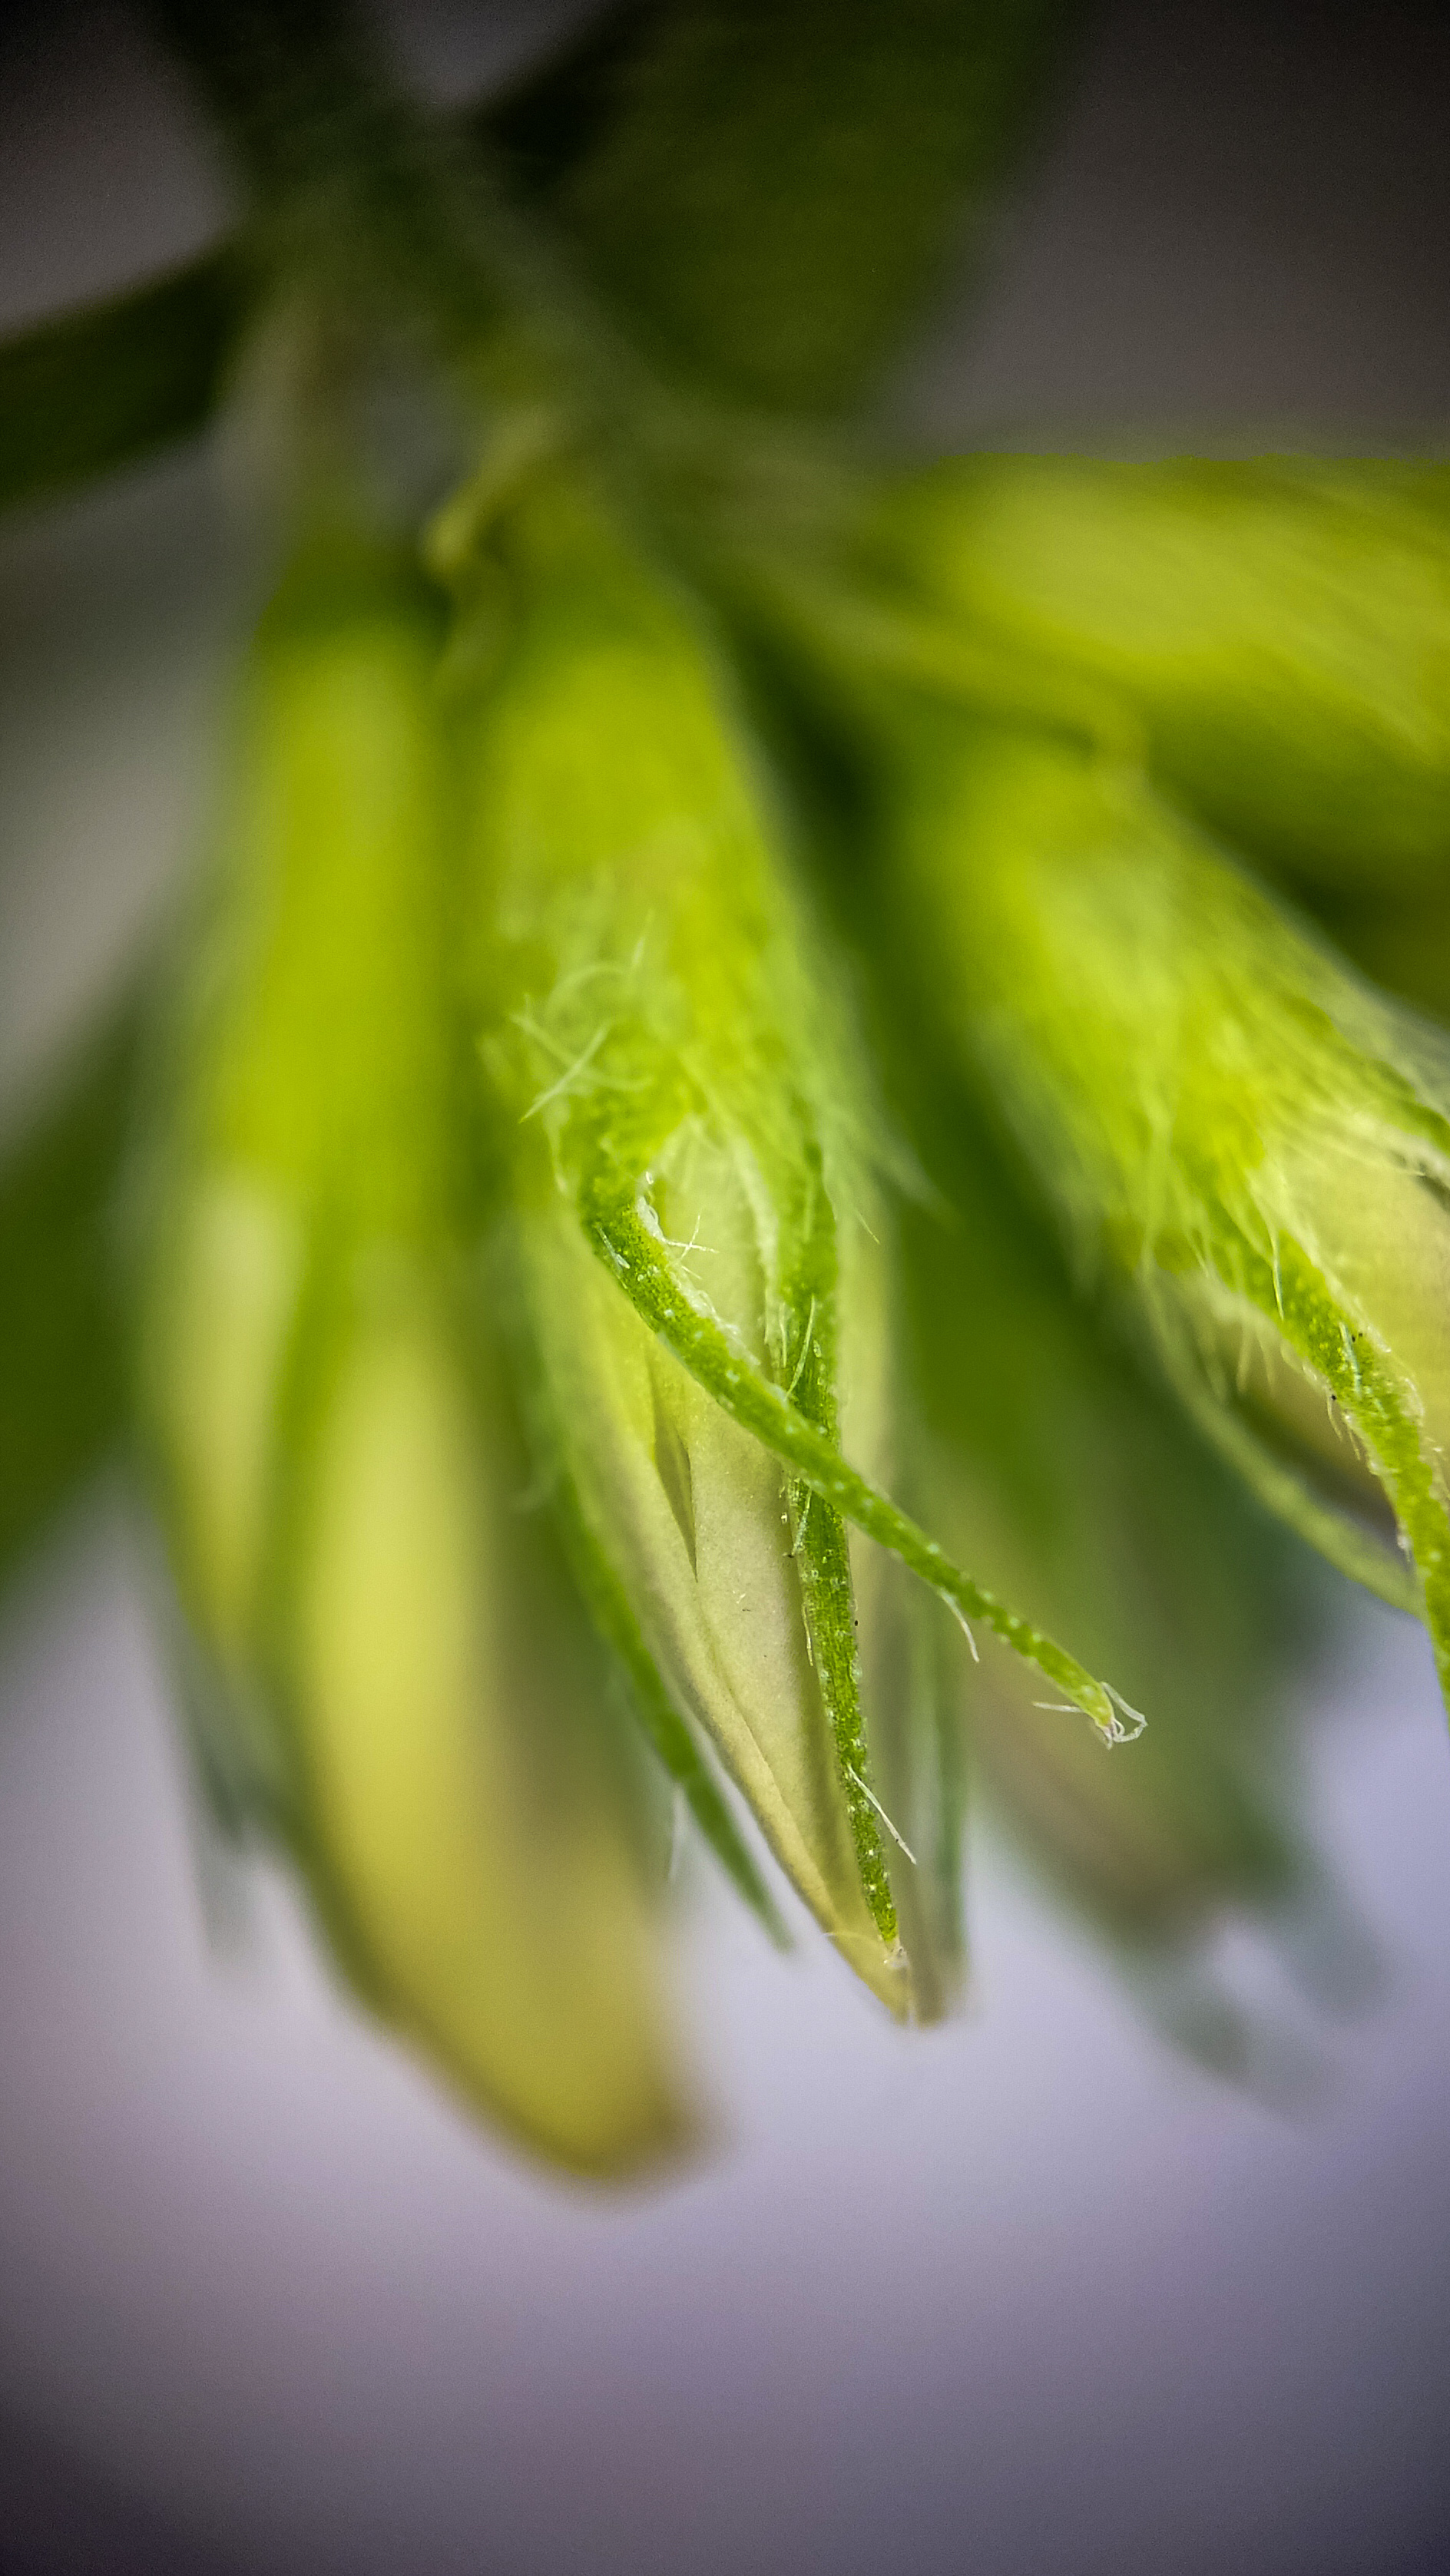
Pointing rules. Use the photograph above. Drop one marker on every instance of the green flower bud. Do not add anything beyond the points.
(1279, 630)
(665, 1056)
(1057, 1467)
(399, 1682)
(1223, 1114)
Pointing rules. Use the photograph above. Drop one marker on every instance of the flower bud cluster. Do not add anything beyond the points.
(518, 1144)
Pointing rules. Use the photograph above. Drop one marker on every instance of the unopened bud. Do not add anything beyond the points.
(1224, 1115)
(1279, 630)
(682, 1107)
(399, 1671)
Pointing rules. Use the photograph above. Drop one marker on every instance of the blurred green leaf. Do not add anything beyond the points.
(112, 382)
(98, 388)
(766, 190)
(544, 126)
(62, 1374)
(1403, 945)
(782, 182)
(1067, 1476)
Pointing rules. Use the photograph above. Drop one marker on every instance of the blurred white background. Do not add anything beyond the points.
(1028, 2294)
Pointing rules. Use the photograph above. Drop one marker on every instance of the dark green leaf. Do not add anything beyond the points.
(62, 1371)
(544, 127)
(782, 182)
(768, 191)
(97, 388)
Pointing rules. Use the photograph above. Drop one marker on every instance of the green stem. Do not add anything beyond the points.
(337, 158)
(362, 189)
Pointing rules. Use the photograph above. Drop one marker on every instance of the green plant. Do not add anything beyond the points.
(729, 1001)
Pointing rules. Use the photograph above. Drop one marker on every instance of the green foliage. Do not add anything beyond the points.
(62, 1368)
(1047, 1457)
(99, 388)
(533, 1297)
(780, 184)
(657, 1026)
(114, 382)
(768, 229)
(541, 129)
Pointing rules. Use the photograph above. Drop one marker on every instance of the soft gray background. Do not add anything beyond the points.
(1028, 2295)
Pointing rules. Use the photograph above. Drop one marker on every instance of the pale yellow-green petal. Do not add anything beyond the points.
(478, 1870)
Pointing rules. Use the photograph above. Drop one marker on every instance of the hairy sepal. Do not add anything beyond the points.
(653, 1017)
(1223, 1114)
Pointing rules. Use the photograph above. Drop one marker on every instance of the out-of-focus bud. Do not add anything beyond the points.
(1056, 1466)
(1223, 1115)
(1279, 630)
(398, 1679)
(683, 1105)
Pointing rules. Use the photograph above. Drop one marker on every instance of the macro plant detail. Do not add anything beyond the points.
(796, 1135)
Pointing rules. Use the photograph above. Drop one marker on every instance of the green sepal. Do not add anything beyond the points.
(651, 1002)
(1285, 1481)
(912, 1685)
(1224, 1116)
(1047, 1455)
(692, 1516)
(1054, 1462)
(820, 1544)
(764, 1409)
